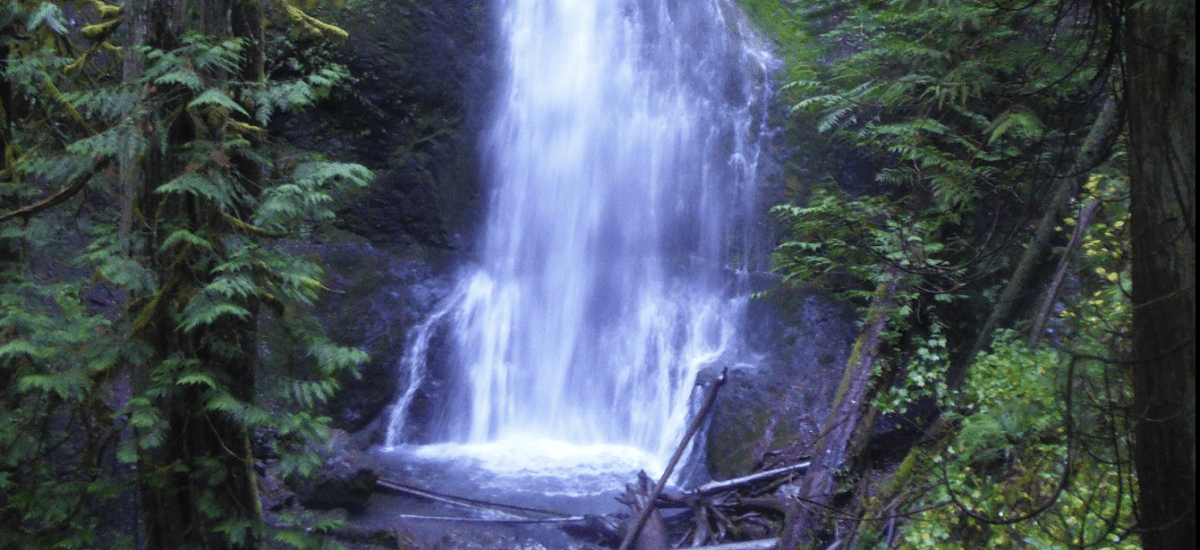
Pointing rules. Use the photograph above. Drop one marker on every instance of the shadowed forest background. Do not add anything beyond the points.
(201, 203)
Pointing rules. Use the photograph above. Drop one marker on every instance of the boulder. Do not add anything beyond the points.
(346, 479)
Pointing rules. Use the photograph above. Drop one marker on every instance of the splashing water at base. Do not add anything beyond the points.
(622, 159)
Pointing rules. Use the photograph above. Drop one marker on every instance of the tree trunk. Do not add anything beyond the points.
(8, 250)
(198, 486)
(1161, 96)
(1037, 331)
(1022, 280)
(836, 447)
(6, 156)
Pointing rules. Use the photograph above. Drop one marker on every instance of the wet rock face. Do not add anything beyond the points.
(376, 296)
(772, 412)
(412, 114)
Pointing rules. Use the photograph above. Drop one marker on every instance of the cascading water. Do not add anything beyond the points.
(622, 158)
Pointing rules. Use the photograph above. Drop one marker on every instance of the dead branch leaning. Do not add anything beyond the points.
(644, 514)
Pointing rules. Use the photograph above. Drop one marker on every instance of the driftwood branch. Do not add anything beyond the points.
(396, 487)
(644, 514)
(718, 486)
(763, 544)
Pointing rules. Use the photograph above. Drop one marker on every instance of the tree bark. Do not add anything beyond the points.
(8, 249)
(1160, 88)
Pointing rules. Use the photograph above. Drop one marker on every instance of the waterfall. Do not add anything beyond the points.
(622, 160)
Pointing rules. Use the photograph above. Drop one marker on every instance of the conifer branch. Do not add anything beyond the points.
(61, 196)
(251, 228)
(68, 107)
(312, 25)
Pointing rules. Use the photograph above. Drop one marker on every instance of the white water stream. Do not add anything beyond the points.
(622, 162)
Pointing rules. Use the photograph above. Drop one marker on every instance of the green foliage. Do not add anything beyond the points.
(55, 368)
(296, 530)
(32, 16)
(832, 238)
(966, 115)
(1031, 465)
(1041, 458)
(229, 247)
(309, 197)
(1104, 313)
(792, 27)
(963, 113)
(298, 94)
(125, 309)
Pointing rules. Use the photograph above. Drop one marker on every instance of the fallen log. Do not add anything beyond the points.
(1085, 218)
(718, 486)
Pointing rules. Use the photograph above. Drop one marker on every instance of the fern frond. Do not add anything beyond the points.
(216, 98)
(1022, 122)
(223, 56)
(322, 174)
(183, 236)
(112, 142)
(332, 358)
(286, 97)
(205, 308)
(838, 118)
(66, 385)
(819, 102)
(60, 169)
(22, 348)
(197, 183)
(234, 285)
(183, 76)
(196, 378)
(49, 15)
(104, 103)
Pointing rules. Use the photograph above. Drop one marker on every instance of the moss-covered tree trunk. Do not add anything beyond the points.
(7, 250)
(8, 33)
(198, 487)
(844, 434)
(5, 105)
(1161, 102)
